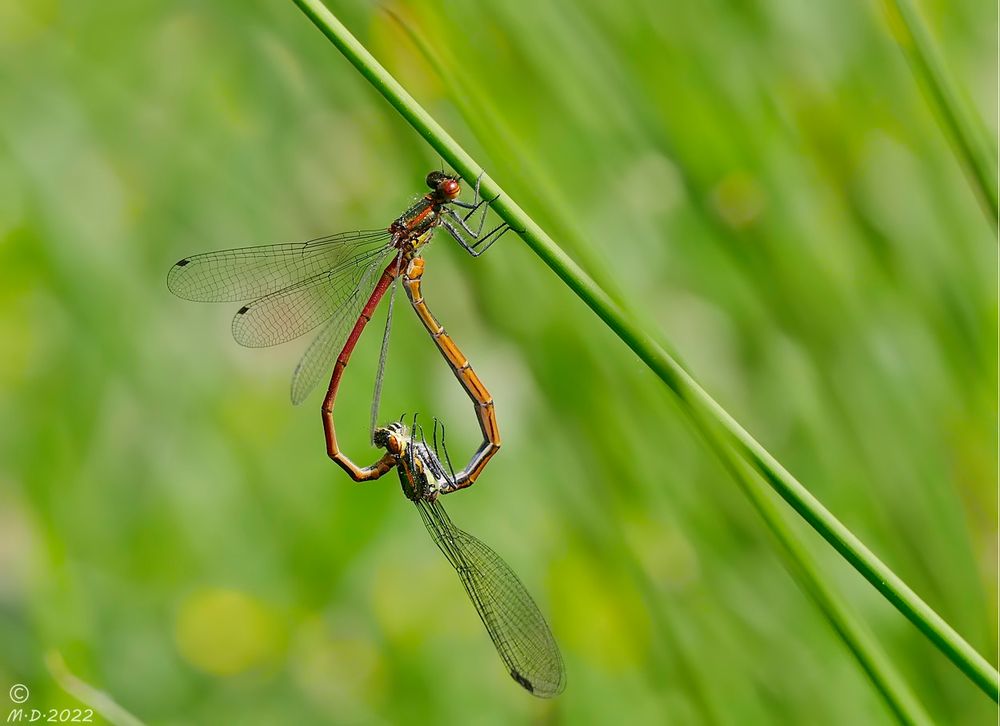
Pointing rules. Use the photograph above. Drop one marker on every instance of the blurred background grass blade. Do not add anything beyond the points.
(961, 124)
(870, 656)
(765, 178)
(101, 702)
(693, 397)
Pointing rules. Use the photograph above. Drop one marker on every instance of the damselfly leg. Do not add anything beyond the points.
(471, 239)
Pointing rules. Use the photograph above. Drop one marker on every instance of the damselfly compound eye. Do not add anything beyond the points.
(450, 188)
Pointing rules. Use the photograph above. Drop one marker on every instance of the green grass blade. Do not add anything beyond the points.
(486, 121)
(960, 123)
(97, 699)
(694, 399)
(872, 659)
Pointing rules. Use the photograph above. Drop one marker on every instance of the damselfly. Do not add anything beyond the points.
(515, 624)
(290, 289)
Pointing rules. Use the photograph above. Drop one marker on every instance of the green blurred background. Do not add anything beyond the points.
(763, 179)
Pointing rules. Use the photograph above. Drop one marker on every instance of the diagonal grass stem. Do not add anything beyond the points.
(694, 399)
(960, 122)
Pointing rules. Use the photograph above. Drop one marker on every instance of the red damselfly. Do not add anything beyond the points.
(335, 282)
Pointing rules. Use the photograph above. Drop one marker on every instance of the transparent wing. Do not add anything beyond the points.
(296, 309)
(250, 272)
(382, 356)
(516, 626)
(319, 357)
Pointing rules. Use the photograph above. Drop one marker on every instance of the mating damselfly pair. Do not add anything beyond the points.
(335, 284)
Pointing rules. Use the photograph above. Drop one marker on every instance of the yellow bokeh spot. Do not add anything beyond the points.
(406, 595)
(225, 632)
(604, 619)
(337, 666)
(738, 199)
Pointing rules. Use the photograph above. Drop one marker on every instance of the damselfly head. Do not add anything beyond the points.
(445, 186)
(394, 438)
